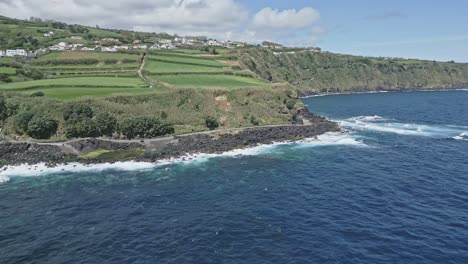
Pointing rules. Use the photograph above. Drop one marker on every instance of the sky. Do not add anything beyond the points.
(430, 29)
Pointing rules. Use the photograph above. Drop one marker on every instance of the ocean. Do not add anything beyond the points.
(392, 189)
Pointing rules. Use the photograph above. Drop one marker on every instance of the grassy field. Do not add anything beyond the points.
(75, 82)
(211, 81)
(92, 67)
(8, 70)
(70, 55)
(188, 60)
(169, 67)
(71, 93)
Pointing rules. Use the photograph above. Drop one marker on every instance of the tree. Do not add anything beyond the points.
(37, 94)
(75, 112)
(106, 124)
(81, 128)
(291, 104)
(42, 127)
(211, 122)
(5, 78)
(3, 108)
(22, 120)
(144, 127)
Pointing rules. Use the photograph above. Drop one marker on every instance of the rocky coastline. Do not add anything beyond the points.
(308, 94)
(18, 153)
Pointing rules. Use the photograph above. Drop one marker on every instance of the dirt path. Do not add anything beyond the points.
(66, 144)
(143, 61)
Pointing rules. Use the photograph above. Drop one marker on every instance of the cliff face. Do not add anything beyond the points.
(328, 72)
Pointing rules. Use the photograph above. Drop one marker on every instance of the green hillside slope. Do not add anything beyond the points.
(328, 72)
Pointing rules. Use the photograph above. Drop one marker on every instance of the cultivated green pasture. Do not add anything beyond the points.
(71, 55)
(91, 67)
(187, 60)
(70, 93)
(109, 82)
(211, 81)
(169, 67)
(8, 70)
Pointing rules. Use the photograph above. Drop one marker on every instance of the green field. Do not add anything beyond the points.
(92, 67)
(73, 93)
(70, 55)
(211, 81)
(75, 87)
(8, 70)
(169, 67)
(187, 60)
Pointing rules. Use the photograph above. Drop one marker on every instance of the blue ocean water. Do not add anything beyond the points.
(394, 189)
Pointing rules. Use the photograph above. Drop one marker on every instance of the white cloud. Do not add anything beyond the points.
(286, 19)
(173, 16)
(220, 19)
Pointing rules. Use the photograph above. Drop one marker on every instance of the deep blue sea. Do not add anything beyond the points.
(394, 189)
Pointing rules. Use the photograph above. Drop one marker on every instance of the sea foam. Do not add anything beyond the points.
(380, 124)
(41, 169)
(462, 136)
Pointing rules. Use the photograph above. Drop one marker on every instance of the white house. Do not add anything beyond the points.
(2, 53)
(49, 34)
(17, 52)
(76, 37)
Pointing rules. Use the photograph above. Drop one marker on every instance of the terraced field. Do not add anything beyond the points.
(69, 74)
(158, 67)
(70, 88)
(185, 69)
(201, 81)
(73, 55)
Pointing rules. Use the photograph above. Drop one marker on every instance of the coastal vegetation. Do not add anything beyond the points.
(316, 71)
(174, 111)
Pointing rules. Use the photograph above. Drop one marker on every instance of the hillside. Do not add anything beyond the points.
(315, 71)
(35, 34)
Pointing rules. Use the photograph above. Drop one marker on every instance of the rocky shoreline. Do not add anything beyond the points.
(308, 94)
(17, 153)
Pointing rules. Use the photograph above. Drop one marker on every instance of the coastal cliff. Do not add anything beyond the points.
(313, 71)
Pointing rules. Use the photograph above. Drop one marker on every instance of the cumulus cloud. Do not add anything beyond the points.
(213, 18)
(173, 16)
(286, 19)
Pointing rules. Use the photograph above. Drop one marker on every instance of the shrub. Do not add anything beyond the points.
(291, 104)
(22, 119)
(211, 122)
(37, 94)
(254, 120)
(144, 127)
(42, 127)
(30, 72)
(106, 124)
(77, 111)
(81, 128)
(5, 78)
(3, 109)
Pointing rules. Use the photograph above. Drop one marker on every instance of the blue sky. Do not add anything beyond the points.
(435, 30)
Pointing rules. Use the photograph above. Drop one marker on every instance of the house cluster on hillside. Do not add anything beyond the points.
(13, 53)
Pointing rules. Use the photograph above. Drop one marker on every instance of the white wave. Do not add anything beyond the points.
(462, 136)
(42, 169)
(343, 93)
(4, 179)
(333, 139)
(371, 118)
(377, 123)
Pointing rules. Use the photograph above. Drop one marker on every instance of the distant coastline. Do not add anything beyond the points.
(305, 95)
